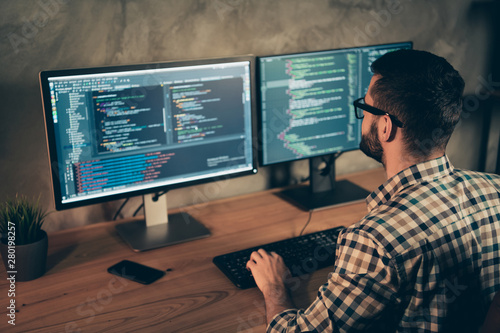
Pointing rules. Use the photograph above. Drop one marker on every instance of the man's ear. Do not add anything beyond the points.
(385, 129)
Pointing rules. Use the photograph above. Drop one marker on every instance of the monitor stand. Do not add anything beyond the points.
(323, 191)
(160, 229)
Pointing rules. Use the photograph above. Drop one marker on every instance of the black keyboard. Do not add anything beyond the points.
(302, 255)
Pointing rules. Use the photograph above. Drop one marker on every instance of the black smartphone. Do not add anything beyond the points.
(136, 272)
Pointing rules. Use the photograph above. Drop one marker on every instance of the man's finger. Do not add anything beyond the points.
(262, 252)
(255, 255)
(250, 264)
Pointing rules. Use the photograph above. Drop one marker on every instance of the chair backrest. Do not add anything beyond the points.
(492, 321)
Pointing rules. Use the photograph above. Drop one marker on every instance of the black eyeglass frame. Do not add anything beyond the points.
(373, 110)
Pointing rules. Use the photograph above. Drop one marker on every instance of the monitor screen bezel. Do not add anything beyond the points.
(259, 96)
(51, 137)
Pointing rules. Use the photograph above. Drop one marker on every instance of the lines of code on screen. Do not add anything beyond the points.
(307, 101)
(128, 119)
(204, 110)
(124, 130)
(306, 105)
(106, 174)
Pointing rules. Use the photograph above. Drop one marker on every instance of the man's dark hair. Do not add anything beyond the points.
(424, 92)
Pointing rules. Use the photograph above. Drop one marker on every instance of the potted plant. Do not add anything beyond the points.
(23, 244)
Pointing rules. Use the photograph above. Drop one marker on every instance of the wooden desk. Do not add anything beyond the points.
(78, 295)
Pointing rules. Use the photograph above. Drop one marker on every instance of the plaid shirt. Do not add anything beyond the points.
(424, 259)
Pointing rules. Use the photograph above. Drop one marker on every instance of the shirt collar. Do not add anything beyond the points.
(422, 172)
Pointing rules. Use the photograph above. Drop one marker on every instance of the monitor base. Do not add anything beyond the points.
(344, 193)
(181, 227)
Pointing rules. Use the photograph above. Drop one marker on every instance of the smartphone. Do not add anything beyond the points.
(136, 272)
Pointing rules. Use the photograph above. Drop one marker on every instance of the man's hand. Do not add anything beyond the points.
(270, 274)
(268, 270)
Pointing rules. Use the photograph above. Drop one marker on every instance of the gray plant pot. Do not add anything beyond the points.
(30, 259)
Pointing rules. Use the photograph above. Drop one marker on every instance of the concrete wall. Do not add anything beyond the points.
(50, 34)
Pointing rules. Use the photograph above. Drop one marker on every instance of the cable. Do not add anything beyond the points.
(120, 209)
(157, 195)
(326, 170)
(308, 220)
(138, 209)
(331, 175)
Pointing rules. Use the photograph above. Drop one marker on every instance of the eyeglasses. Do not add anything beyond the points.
(359, 106)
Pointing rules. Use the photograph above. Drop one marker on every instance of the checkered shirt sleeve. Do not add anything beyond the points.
(427, 250)
(361, 287)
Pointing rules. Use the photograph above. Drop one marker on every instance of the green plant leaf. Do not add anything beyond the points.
(26, 215)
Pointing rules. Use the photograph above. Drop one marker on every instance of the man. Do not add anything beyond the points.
(425, 257)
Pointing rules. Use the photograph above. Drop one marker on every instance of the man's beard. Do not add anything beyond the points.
(370, 144)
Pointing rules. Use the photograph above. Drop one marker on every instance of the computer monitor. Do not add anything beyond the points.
(123, 131)
(306, 103)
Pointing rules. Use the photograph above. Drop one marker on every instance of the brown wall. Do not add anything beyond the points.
(49, 34)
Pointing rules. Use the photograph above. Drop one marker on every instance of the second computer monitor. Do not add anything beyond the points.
(306, 103)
